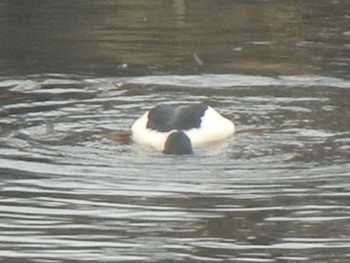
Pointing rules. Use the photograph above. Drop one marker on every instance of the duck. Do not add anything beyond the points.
(177, 129)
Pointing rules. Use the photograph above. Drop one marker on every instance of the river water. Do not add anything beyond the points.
(76, 74)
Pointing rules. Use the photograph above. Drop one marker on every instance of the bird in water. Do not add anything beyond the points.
(176, 129)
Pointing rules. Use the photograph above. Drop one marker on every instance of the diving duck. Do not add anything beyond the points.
(176, 129)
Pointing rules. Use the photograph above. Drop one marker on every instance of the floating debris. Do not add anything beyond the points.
(198, 59)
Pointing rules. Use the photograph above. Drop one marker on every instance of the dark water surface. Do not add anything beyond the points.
(74, 73)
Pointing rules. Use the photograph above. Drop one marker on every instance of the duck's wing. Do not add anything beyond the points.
(165, 118)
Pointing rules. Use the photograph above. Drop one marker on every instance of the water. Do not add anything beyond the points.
(277, 192)
(74, 189)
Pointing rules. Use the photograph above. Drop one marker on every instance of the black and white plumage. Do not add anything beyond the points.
(177, 129)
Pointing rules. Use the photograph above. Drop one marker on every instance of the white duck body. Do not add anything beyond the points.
(202, 124)
(142, 135)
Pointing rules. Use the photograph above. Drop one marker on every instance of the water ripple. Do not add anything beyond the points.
(72, 191)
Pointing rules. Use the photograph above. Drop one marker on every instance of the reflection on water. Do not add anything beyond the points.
(160, 37)
(276, 192)
(73, 189)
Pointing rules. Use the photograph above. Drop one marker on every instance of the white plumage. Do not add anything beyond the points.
(200, 123)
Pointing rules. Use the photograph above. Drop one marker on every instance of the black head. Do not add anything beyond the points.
(178, 143)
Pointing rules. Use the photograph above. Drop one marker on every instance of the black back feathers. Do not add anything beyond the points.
(164, 118)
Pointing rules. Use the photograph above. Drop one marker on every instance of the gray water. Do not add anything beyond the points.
(72, 189)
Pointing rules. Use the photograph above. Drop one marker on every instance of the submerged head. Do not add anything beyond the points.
(178, 143)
